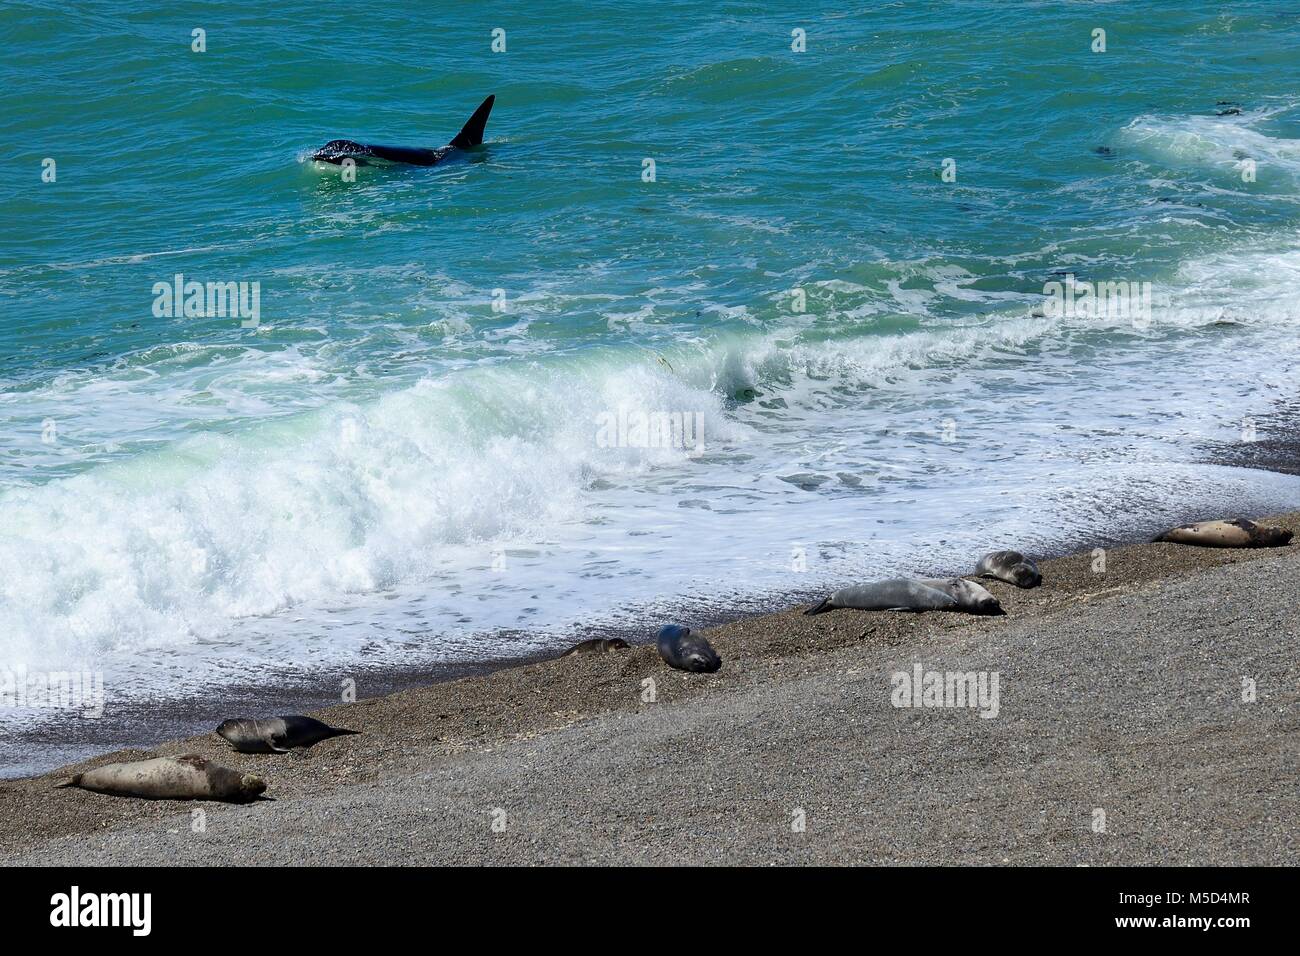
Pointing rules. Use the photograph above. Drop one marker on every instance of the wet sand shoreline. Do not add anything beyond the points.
(32, 750)
(1121, 692)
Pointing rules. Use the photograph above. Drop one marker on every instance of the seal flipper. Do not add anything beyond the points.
(821, 608)
(472, 132)
(74, 782)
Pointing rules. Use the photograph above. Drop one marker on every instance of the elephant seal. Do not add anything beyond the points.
(1010, 566)
(1234, 533)
(189, 777)
(686, 651)
(970, 597)
(894, 594)
(275, 735)
(597, 646)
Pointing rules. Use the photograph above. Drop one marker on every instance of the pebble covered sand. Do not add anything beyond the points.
(1120, 691)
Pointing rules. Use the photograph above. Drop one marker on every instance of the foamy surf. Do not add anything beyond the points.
(1222, 145)
(430, 485)
(443, 438)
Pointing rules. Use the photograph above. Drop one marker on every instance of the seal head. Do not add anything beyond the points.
(970, 597)
(686, 651)
(1010, 566)
(251, 786)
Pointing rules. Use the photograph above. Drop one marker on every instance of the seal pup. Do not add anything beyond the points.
(275, 735)
(188, 777)
(1010, 566)
(365, 154)
(1233, 533)
(686, 651)
(597, 646)
(894, 594)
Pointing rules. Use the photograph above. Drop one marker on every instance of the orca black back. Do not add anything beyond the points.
(471, 135)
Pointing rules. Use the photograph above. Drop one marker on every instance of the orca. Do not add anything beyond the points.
(365, 154)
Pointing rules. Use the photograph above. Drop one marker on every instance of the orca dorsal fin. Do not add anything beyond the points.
(472, 133)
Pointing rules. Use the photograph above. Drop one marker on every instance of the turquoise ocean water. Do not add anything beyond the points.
(402, 460)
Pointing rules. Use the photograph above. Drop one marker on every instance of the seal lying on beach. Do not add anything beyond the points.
(1010, 566)
(1234, 533)
(597, 646)
(275, 735)
(894, 594)
(189, 777)
(686, 651)
(906, 594)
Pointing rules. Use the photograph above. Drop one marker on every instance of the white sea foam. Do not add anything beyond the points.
(321, 509)
(171, 546)
(1219, 143)
(290, 516)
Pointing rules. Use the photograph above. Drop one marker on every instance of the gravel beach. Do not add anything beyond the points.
(1121, 736)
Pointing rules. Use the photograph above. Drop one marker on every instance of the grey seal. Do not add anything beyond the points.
(894, 594)
(188, 777)
(1010, 566)
(597, 646)
(907, 594)
(1233, 533)
(686, 651)
(275, 735)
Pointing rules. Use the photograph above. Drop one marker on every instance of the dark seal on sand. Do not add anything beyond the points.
(686, 651)
(275, 735)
